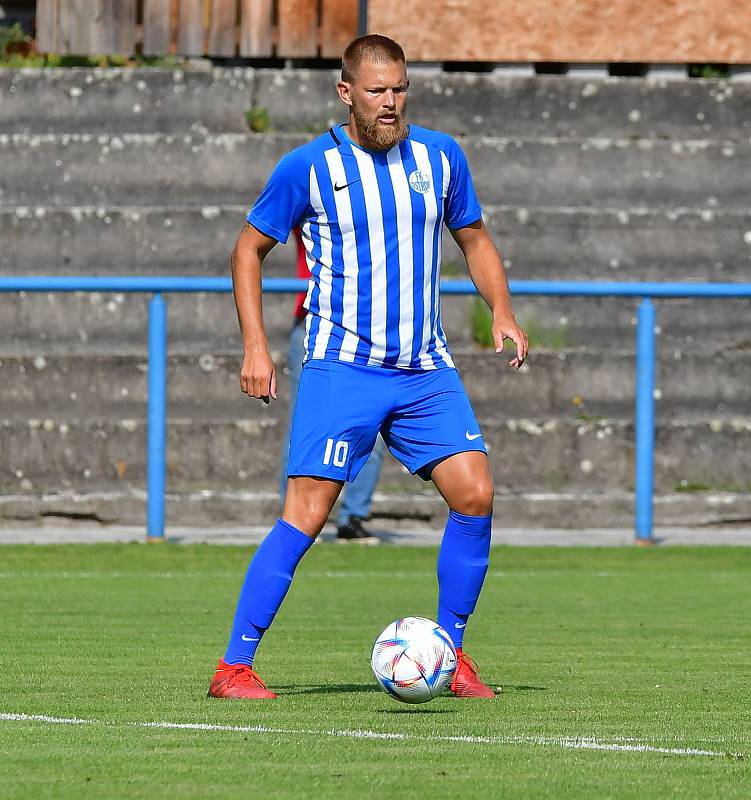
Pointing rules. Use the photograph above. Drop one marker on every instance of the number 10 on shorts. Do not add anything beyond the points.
(339, 450)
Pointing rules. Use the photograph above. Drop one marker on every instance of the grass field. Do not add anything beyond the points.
(625, 673)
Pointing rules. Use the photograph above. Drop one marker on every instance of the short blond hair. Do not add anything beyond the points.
(373, 47)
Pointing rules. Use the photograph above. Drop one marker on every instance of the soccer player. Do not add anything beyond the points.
(371, 198)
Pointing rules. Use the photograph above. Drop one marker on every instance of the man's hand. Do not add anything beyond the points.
(487, 273)
(258, 376)
(506, 327)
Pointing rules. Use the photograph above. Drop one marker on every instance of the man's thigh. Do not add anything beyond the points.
(340, 408)
(434, 421)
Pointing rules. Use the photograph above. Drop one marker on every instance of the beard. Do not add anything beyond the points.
(375, 136)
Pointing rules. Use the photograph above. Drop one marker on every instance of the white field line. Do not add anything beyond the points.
(566, 742)
(343, 574)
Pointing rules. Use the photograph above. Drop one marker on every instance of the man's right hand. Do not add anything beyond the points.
(258, 376)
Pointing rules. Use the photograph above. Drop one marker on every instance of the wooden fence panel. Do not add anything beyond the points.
(116, 26)
(298, 28)
(96, 26)
(704, 31)
(48, 26)
(223, 28)
(339, 20)
(190, 30)
(256, 28)
(75, 27)
(157, 27)
(677, 31)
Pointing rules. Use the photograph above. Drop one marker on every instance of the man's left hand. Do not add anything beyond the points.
(508, 328)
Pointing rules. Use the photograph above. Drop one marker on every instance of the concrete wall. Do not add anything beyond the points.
(151, 172)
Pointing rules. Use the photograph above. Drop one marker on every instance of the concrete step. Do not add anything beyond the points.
(80, 169)
(112, 323)
(172, 101)
(537, 243)
(715, 512)
(526, 455)
(498, 105)
(568, 384)
(124, 100)
(614, 244)
(585, 322)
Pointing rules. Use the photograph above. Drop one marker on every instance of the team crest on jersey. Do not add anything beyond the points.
(420, 182)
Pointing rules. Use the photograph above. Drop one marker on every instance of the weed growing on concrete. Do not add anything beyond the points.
(481, 323)
(582, 412)
(687, 486)
(258, 119)
(481, 326)
(18, 50)
(450, 269)
(713, 71)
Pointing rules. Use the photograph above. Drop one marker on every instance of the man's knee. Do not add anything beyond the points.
(308, 503)
(476, 499)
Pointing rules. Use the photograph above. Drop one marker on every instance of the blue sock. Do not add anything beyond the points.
(266, 584)
(462, 564)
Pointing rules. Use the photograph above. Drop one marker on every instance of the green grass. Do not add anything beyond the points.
(652, 645)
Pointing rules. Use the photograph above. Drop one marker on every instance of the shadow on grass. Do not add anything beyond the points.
(415, 709)
(331, 688)
(508, 687)
(366, 688)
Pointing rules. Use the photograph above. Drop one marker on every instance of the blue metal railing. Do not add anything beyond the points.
(157, 337)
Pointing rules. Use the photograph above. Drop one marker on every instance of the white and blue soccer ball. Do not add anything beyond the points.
(413, 659)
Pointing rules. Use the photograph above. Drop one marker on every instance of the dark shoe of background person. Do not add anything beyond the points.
(353, 531)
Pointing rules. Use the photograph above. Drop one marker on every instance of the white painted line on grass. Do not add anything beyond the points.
(114, 575)
(565, 742)
(43, 718)
(345, 574)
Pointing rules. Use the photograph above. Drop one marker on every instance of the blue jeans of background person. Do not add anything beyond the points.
(357, 496)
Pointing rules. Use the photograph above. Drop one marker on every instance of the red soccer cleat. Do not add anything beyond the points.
(466, 682)
(238, 681)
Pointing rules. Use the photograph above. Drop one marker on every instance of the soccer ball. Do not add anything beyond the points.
(413, 659)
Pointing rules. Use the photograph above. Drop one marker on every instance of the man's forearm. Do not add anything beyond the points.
(246, 286)
(489, 276)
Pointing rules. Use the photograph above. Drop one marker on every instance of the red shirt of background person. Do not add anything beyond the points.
(302, 272)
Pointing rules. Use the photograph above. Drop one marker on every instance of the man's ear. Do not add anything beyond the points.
(344, 90)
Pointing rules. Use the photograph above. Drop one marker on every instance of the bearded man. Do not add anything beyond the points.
(370, 198)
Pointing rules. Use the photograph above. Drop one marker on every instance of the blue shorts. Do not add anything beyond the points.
(424, 417)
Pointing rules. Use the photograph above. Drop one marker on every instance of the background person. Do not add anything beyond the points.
(358, 495)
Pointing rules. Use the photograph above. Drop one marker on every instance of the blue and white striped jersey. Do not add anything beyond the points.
(371, 225)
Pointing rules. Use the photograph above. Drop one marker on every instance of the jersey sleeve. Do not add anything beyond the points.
(461, 205)
(284, 200)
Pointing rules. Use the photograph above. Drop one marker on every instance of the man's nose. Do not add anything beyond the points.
(389, 99)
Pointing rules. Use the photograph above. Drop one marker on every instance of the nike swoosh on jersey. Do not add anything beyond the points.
(248, 639)
(472, 436)
(338, 188)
